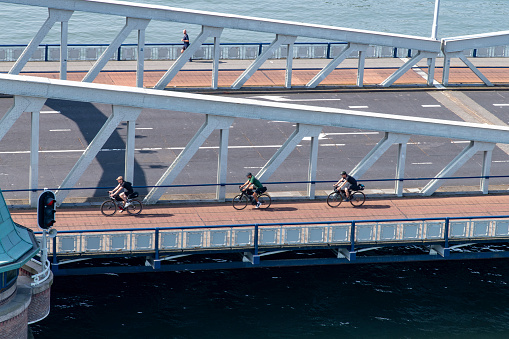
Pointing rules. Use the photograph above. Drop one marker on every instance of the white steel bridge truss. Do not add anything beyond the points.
(30, 94)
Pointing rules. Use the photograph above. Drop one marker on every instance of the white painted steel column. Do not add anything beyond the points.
(215, 62)
(449, 170)
(21, 104)
(34, 158)
(140, 65)
(222, 164)
(381, 147)
(475, 69)
(289, 65)
(282, 153)
(486, 168)
(212, 123)
(119, 114)
(130, 25)
(258, 62)
(64, 30)
(129, 151)
(206, 32)
(54, 16)
(447, 67)
(313, 164)
(406, 67)
(400, 169)
(360, 67)
(431, 71)
(434, 28)
(350, 48)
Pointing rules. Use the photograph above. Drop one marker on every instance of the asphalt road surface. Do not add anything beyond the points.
(66, 128)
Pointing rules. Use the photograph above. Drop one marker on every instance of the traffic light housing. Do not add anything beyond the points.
(46, 210)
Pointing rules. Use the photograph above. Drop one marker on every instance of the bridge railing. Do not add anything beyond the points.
(347, 234)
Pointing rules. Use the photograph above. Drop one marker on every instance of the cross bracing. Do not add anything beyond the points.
(30, 94)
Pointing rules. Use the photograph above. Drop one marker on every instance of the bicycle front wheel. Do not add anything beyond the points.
(357, 198)
(265, 199)
(135, 207)
(239, 202)
(108, 208)
(334, 199)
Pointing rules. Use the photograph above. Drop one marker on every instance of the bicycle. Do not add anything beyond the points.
(357, 198)
(240, 201)
(110, 206)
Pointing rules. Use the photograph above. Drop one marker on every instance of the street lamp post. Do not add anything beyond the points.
(435, 20)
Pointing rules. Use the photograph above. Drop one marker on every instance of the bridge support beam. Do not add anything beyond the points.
(222, 164)
(467, 153)
(407, 66)
(32, 105)
(130, 25)
(282, 153)
(447, 66)
(400, 168)
(280, 40)
(212, 123)
(206, 32)
(383, 145)
(54, 16)
(351, 48)
(119, 114)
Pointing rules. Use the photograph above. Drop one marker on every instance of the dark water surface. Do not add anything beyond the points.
(466, 299)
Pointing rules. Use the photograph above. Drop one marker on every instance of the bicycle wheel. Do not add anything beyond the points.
(239, 202)
(357, 198)
(334, 199)
(265, 200)
(135, 207)
(108, 208)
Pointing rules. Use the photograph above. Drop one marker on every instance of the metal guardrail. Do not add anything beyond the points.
(265, 183)
(346, 234)
(229, 51)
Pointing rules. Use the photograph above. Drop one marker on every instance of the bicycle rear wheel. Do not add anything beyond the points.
(108, 208)
(239, 202)
(135, 207)
(334, 199)
(265, 199)
(357, 198)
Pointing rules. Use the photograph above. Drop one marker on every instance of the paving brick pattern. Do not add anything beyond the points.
(78, 218)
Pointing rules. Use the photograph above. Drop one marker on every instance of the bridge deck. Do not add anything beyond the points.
(87, 218)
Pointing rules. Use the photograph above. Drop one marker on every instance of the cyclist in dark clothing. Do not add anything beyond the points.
(253, 184)
(123, 190)
(347, 183)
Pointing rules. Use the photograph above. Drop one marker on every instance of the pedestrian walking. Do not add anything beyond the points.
(186, 42)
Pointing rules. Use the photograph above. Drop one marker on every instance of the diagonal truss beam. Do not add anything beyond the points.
(462, 57)
(407, 65)
(206, 32)
(350, 48)
(54, 16)
(120, 113)
(381, 147)
(21, 104)
(258, 62)
(130, 25)
(284, 151)
(449, 170)
(212, 123)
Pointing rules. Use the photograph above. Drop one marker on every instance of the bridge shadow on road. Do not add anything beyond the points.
(279, 209)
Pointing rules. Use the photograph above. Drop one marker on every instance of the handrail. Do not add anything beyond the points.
(284, 224)
(265, 183)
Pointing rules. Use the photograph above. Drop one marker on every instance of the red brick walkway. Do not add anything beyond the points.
(269, 77)
(302, 211)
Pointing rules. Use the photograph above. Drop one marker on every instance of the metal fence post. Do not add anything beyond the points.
(46, 52)
(446, 233)
(156, 244)
(256, 240)
(54, 266)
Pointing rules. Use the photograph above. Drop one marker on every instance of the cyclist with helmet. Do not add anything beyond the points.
(347, 183)
(253, 184)
(123, 190)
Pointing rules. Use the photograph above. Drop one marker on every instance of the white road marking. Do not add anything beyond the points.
(255, 167)
(500, 161)
(460, 142)
(50, 112)
(143, 128)
(431, 106)
(60, 130)
(422, 163)
(501, 105)
(352, 133)
(155, 149)
(281, 98)
(358, 107)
